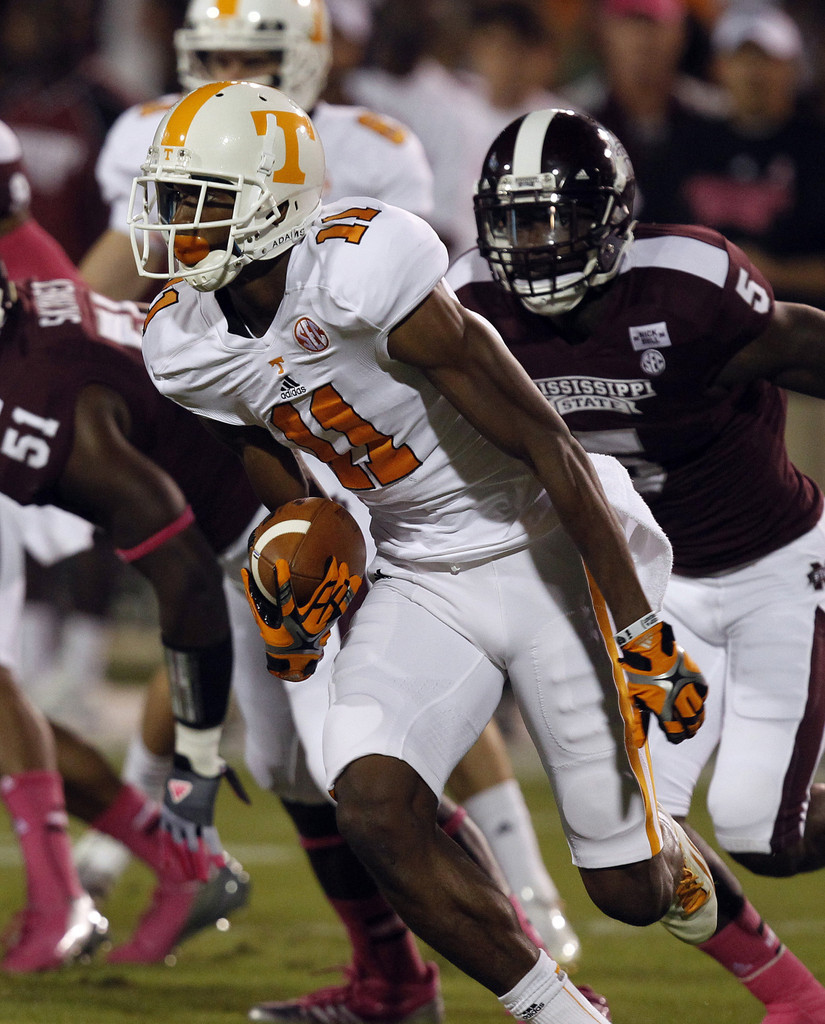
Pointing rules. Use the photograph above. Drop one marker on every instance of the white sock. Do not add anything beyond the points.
(144, 769)
(502, 815)
(545, 995)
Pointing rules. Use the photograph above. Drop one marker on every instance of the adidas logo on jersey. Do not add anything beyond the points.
(816, 577)
(291, 389)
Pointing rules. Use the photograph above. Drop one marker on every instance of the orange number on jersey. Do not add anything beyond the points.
(168, 297)
(349, 232)
(389, 129)
(386, 461)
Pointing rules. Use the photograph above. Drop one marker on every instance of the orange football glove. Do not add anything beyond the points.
(664, 680)
(295, 635)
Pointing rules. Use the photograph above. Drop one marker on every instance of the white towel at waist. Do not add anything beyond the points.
(648, 543)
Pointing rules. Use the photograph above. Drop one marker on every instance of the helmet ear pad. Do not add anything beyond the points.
(609, 253)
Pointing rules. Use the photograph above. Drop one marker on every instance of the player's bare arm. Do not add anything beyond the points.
(108, 481)
(468, 362)
(273, 470)
(109, 267)
(790, 353)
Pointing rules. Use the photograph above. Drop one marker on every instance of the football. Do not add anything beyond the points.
(306, 533)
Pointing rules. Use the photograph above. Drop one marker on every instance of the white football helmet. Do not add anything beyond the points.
(248, 145)
(295, 32)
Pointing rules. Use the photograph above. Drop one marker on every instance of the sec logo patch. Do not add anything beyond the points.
(309, 335)
(653, 362)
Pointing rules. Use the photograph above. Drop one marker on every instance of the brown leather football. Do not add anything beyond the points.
(307, 533)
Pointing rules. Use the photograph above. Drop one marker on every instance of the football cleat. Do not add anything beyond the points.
(550, 922)
(181, 909)
(362, 1001)
(46, 939)
(220, 896)
(100, 861)
(596, 1000)
(691, 916)
(790, 1013)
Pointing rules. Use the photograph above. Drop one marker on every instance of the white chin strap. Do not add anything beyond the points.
(214, 271)
(566, 296)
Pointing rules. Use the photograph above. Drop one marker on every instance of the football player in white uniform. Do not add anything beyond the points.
(284, 43)
(366, 154)
(328, 331)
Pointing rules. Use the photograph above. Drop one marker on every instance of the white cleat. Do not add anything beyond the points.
(49, 939)
(692, 915)
(551, 923)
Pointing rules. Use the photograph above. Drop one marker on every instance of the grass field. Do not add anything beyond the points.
(285, 941)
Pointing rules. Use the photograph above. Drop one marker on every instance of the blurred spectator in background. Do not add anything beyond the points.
(136, 38)
(60, 98)
(512, 60)
(402, 77)
(641, 93)
(350, 26)
(756, 173)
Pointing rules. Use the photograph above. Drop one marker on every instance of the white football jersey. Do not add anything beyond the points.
(366, 154)
(321, 381)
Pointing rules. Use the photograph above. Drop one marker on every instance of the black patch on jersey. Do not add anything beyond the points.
(816, 577)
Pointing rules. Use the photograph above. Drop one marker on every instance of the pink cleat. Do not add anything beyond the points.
(180, 909)
(361, 1001)
(806, 1008)
(47, 939)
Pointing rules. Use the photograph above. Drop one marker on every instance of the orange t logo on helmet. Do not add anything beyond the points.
(292, 124)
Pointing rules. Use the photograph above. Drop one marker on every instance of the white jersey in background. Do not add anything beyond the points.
(366, 153)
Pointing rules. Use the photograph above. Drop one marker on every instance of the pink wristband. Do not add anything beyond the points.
(146, 547)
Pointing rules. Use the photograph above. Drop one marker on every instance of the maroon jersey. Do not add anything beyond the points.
(27, 250)
(713, 467)
(58, 339)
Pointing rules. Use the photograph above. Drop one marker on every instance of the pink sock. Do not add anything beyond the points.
(37, 807)
(133, 819)
(383, 946)
(749, 949)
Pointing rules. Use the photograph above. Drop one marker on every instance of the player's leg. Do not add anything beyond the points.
(744, 944)
(100, 859)
(58, 922)
(637, 864)
(767, 811)
(484, 783)
(412, 687)
(95, 794)
(387, 979)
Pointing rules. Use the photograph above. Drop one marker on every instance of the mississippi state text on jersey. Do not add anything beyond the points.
(712, 466)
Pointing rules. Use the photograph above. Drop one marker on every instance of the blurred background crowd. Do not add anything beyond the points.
(720, 103)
